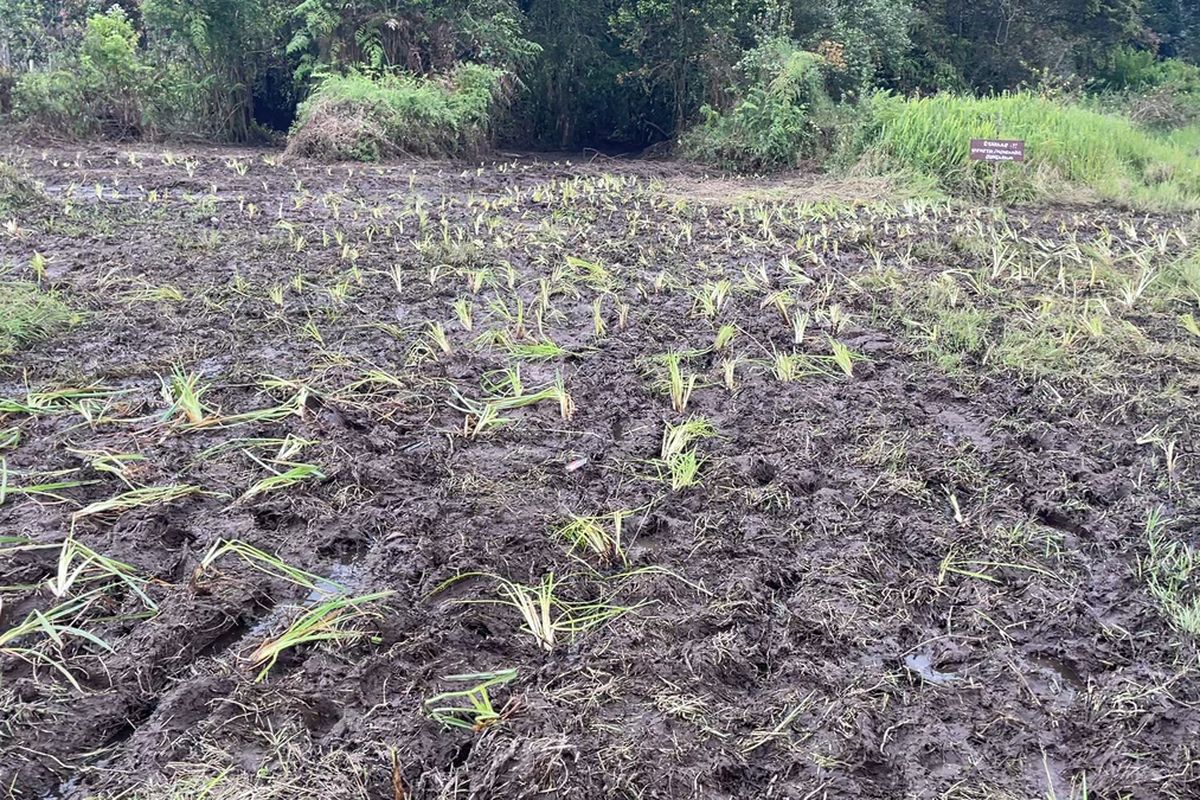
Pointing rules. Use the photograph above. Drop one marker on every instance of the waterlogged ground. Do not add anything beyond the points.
(917, 519)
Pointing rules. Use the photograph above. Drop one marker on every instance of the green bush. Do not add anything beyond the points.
(367, 117)
(1161, 94)
(102, 86)
(1128, 68)
(51, 101)
(112, 70)
(776, 121)
(1170, 100)
(1067, 146)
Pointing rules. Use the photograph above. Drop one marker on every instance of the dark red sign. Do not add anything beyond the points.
(997, 149)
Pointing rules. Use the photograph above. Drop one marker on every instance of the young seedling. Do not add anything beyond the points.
(57, 624)
(184, 394)
(79, 564)
(463, 310)
(43, 492)
(591, 273)
(843, 356)
(327, 621)
(600, 536)
(437, 335)
(709, 299)
(121, 465)
(548, 618)
(678, 457)
(799, 327)
(37, 265)
(471, 708)
(504, 383)
(1170, 568)
(599, 326)
(88, 402)
(622, 314)
(679, 387)
(544, 350)
(788, 367)
(782, 301)
(1167, 448)
(729, 372)
(1190, 324)
(265, 562)
(483, 416)
(294, 474)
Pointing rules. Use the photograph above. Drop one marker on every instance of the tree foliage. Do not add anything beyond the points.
(220, 49)
(578, 72)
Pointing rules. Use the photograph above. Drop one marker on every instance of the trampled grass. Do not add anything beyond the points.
(28, 313)
(16, 190)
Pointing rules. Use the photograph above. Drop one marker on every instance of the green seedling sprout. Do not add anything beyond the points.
(57, 625)
(266, 563)
(470, 708)
(184, 394)
(47, 491)
(599, 535)
(326, 621)
(679, 387)
(294, 474)
(79, 564)
(678, 457)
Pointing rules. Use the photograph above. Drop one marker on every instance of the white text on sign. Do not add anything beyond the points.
(997, 149)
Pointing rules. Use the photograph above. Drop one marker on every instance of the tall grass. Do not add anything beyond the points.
(1068, 148)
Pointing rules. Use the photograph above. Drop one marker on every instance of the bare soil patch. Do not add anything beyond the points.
(960, 570)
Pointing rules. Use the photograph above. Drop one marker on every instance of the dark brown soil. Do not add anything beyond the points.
(919, 581)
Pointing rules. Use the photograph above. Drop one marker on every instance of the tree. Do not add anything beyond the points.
(419, 36)
(227, 46)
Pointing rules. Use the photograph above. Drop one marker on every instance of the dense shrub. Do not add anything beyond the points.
(1066, 145)
(101, 88)
(366, 117)
(1171, 98)
(52, 102)
(1128, 68)
(776, 120)
(1157, 93)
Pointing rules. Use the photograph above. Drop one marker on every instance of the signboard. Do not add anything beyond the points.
(997, 149)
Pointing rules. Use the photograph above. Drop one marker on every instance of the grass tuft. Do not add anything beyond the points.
(29, 313)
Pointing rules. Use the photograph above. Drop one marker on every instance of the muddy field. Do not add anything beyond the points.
(600, 480)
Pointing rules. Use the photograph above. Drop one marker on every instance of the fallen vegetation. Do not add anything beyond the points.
(364, 117)
(28, 312)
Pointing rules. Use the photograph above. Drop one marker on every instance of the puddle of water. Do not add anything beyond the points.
(922, 665)
(343, 579)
